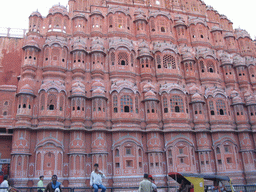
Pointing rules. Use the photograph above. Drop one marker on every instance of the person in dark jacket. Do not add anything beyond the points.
(54, 185)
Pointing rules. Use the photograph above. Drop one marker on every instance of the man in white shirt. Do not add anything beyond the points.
(4, 184)
(145, 185)
(96, 179)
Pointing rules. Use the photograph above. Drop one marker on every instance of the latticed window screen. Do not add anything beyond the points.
(122, 58)
(52, 102)
(158, 60)
(211, 105)
(61, 103)
(115, 101)
(99, 102)
(153, 107)
(210, 67)
(153, 27)
(162, 25)
(202, 66)
(148, 107)
(110, 21)
(120, 22)
(169, 62)
(177, 104)
(24, 102)
(132, 59)
(112, 58)
(221, 107)
(137, 104)
(73, 104)
(165, 105)
(126, 104)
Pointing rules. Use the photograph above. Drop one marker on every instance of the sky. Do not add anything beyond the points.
(15, 13)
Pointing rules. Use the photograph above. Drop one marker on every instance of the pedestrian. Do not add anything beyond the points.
(54, 185)
(153, 183)
(96, 179)
(145, 184)
(40, 184)
(4, 184)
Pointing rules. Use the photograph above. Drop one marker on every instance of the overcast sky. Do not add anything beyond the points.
(15, 13)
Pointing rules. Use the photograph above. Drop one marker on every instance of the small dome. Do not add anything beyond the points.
(96, 12)
(78, 88)
(140, 17)
(239, 61)
(79, 15)
(237, 100)
(97, 84)
(229, 34)
(197, 98)
(225, 59)
(79, 44)
(251, 100)
(36, 13)
(241, 33)
(27, 89)
(98, 46)
(150, 95)
(98, 92)
(58, 9)
(216, 28)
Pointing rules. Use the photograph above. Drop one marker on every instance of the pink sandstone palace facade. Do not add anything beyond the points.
(138, 86)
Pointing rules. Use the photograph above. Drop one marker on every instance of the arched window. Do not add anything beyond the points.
(165, 105)
(122, 58)
(117, 152)
(158, 60)
(169, 62)
(52, 101)
(78, 104)
(217, 150)
(210, 67)
(110, 21)
(120, 22)
(126, 104)
(73, 104)
(177, 105)
(211, 107)
(153, 27)
(202, 66)
(221, 107)
(61, 103)
(115, 104)
(112, 58)
(136, 104)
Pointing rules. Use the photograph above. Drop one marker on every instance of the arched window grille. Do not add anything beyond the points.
(221, 107)
(211, 108)
(158, 60)
(122, 58)
(169, 62)
(165, 105)
(177, 104)
(126, 104)
(115, 105)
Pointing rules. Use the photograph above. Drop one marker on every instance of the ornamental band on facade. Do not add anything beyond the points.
(135, 85)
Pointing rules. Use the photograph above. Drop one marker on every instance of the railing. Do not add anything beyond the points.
(238, 188)
(12, 32)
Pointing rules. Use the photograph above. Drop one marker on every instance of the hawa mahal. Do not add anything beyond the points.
(138, 86)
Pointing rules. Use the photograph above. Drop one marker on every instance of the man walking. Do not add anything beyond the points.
(4, 184)
(145, 185)
(96, 179)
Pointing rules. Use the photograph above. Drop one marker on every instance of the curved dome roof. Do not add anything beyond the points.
(27, 89)
(58, 9)
(36, 13)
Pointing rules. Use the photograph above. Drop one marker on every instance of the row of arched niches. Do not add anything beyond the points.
(126, 76)
(120, 56)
